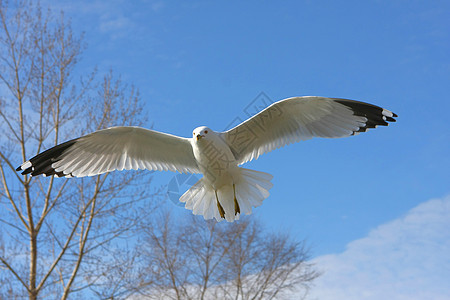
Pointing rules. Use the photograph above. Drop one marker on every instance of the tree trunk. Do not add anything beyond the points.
(32, 292)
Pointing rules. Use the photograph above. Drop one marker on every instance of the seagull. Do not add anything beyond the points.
(226, 189)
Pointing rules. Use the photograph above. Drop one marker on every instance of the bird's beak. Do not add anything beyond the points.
(199, 136)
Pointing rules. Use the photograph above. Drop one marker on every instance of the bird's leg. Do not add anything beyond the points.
(237, 209)
(221, 211)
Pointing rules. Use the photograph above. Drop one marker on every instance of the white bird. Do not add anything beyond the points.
(226, 190)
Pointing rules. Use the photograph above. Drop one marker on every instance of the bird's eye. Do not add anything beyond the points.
(206, 131)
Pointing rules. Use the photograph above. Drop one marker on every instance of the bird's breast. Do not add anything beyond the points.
(215, 160)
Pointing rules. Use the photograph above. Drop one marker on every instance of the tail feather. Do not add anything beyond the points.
(245, 200)
(250, 188)
(255, 196)
(209, 209)
(195, 192)
(266, 185)
(258, 175)
(226, 198)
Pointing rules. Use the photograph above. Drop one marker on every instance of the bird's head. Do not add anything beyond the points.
(201, 132)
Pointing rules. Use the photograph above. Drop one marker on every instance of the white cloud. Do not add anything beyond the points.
(157, 6)
(116, 25)
(408, 258)
(108, 17)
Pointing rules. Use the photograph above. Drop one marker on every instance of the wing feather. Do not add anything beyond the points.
(301, 118)
(115, 148)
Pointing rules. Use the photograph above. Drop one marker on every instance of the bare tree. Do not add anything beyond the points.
(59, 236)
(194, 259)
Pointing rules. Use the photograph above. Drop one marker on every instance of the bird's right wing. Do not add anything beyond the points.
(295, 119)
(115, 148)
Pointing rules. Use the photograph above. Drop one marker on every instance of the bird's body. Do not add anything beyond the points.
(214, 157)
(225, 187)
(226, 190)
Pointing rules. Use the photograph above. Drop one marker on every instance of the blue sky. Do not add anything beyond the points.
(202, 62)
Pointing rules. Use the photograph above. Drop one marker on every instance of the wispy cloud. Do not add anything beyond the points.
(157, 6)
(113, 18)
(407, 258)
(117, 25)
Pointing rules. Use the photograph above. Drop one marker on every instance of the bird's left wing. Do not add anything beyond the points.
(301, 118)
(115, 148)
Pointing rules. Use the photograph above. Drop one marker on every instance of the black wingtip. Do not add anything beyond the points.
(42, 163)
(27, 171)
(376, 116)
(391, 119)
